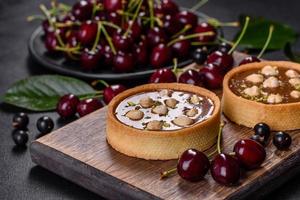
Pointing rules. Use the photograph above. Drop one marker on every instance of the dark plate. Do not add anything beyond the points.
(59, 64)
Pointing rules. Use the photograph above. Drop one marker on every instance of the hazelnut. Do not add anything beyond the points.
(171, 103)
(252, 91)
(183, 121)
(191, 112)
(165, 92)
(195, 99)
(135, 115)
(146, 102)
(274, 98)
(154, 125)
(160, 109)
(294, 82)
(295, 94)
(291, 73)
(270, 71)
(255, 78)
(271, 82)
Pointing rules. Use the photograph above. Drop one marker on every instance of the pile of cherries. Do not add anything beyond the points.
(226, 169)
(125, 35)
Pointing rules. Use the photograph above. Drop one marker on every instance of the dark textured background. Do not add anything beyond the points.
(19, 177)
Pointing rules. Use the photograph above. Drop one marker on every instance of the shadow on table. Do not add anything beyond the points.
(60, 185)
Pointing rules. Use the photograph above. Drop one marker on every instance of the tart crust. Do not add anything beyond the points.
(248, 113)
(162, 145)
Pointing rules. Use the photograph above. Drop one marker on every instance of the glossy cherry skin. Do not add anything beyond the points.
(163, 76)
(87, 106)
(193, 165)
(82, 10)
(249, 59)
(114, 18)
(135, 29)
(225, 169)
(156, 36)
(112, 5)
(171, 24)
(87, 32)
(89, 60)
(160, 56)
(205, 27)
(140, 53)
(181, 48)
(212, 79)
(66, 106)
(111, 91)
(51, 42)
(192, 77)
(169, 7)
(186, 17)
(123, 62)
(122, 42)
(224, 60)
(250, 153)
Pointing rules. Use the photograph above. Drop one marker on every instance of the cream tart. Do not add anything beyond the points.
(160, 121)
(263, 92)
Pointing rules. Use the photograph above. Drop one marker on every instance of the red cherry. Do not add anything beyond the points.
(186, 17)
(250, 153)
(82, 10)
(87, 32)
(181, 48)
(219, 58)
(191, 77)
(160, 55)
(212, 79)
(225, 169)
(156, 36)
(135, 29)
(192, 165)
(112, 5)
(114, 18)
(87, 106)
(171, 24)
(90, 59)
(51, 42)
(111, 91)
(66, 106)
(205, 27)
(140, 53)
(163, 76)
(123, 62)
(169, 7)
(122, 42)
(249, 59)
(107, 53)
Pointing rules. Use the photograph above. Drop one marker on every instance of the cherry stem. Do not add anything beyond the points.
(110, 25)
(175, 65)
(198, 5)
(134, 18)
(151, 10)
(183, 30)
(271, 30)
(232, 153)
(203, 43)
(166, 174)
(187, 37)
(34, 17)
(240, 36)
(108, 38)
(67, 49)
(226, 41)
(97, 36)
(94, 83)
(219, 148)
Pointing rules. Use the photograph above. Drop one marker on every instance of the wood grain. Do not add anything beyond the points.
(79, 152)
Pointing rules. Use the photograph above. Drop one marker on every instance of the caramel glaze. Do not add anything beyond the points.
(238, 83)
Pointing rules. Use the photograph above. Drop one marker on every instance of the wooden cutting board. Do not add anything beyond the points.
(79, 152)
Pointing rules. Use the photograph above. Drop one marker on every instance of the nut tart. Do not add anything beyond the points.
(160, 121)
(263, 92)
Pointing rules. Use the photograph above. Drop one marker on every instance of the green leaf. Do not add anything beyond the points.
(257, 33)
(41, 93)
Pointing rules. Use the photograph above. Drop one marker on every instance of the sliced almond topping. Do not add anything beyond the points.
(191, 112)
(135, 115)
(160, 109)
(146, 102)
(291, 73)
(271, 82)
(195, 99)
(171, 103)
(252, 91)
(255, 78)
(274, 98)
(154, 125)
(295, 94)
(270, 71)
(294, 82)
(183, 121)
(165, 92)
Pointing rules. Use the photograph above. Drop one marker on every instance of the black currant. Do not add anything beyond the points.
(224, 47)
(258, 139)
(45, 124)
(199, 56)
(263, 130)
(282, 140)
(20, 137)
(20, 120)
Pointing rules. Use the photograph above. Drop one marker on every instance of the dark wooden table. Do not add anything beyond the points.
(19, 177)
